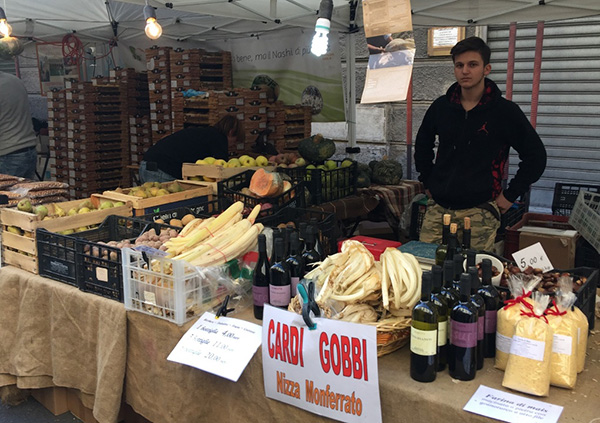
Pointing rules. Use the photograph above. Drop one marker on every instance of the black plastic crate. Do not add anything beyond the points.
(565, 196)
(99, 266)
(327, 224)
(586, 255)
(229, 192)
(205, 209)
(512, 216)
(326, 185)
(56, 256)
(417, 214)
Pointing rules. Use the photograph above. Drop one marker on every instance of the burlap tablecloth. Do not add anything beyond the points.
(52, 334)
(166, 392)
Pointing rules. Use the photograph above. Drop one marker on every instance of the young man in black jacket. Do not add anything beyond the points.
(475, 127)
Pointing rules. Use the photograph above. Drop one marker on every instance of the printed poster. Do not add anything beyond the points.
(283, 62)
(391, 44)
(330, 371)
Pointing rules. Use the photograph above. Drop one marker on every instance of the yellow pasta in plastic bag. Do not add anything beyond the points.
(507, 317)
(582, 336)
(528, 366)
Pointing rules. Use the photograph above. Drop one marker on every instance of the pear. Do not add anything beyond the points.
(106, 205)
(72, 212)
(82, 229)
(154, 191)
(41, 211)
(161, 192)
(67, 232)
(86, 204)
(174, 187)
(59, 211)
(14, 230)
(157, 184)
(84, 210)
(25, 205)
(148, 185)
(118, 204)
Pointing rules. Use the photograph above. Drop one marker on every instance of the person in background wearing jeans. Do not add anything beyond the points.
(475, 128)
(163, 161)
(18, 156)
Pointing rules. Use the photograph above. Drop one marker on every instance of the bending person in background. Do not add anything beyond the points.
(475, 127)
(163, 161)
(18, 156)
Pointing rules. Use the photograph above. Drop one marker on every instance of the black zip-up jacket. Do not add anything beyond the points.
(473, 148)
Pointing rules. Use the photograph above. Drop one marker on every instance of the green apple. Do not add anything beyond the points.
(262, 161)
(347, 163)
(300, 162)
(243, 157)
(247, 161)
(233, 163)
(210, 160)
(330, 165)
(202, 162)
(219, 162)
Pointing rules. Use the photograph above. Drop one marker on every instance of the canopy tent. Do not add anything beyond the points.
(206, 20)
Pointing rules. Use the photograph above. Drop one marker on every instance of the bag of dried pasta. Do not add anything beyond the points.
(565, 284)
(528, 366)
(563, 360)
(521, 286)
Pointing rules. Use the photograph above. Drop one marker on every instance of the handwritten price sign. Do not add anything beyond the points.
(533, 256)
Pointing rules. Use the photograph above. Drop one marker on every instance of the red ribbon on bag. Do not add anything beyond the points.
(554, 311)
(532, 314)
(519, 300)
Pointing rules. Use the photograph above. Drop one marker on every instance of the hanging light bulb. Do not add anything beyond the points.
(320, 39)
(153, 29)
(5, 28)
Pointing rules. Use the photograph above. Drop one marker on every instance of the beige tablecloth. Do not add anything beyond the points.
(168, 392)
(52, 334)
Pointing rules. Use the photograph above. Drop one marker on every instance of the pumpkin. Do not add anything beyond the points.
(266, 184)
(316, 149)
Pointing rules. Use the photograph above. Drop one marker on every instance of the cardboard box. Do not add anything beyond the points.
(54, 399)
(559, 244)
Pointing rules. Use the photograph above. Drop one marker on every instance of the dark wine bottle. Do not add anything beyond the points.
(471, 257)
(450, 294)
(287, 233)
(459, 269)
(480, 304)
(490, 296)
(295, 262)
(466, 241)
(302, 235)
(424, 335)
(276, 234)
(443, 314)
(280, 287)
(260, 278)
(318, 244)
(442, 249)
(452, 242)
(310, 255)
(463, 346)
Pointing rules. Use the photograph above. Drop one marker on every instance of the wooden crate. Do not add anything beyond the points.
(192, 193)
(21, 250)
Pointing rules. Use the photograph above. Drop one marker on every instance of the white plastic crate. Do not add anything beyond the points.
(173, 290)
(585, 217)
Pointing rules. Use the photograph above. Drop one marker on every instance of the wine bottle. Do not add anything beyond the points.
(310, 255)
(280, 288)
(466, 241)
(295, 263)
(287, 233)
(490, 296)
(452, 242)
(458, 271)
(443, 313)
(260, 278)
(463, 346)
(480, 304)
(302, 235)
(276, 234)
(450, 294)
(318, 245)
(442, 249)
(471, 257)
(424, 335)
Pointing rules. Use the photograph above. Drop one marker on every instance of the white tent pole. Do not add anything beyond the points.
(351, 81)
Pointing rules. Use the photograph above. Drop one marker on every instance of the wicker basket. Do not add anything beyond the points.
(392, 334)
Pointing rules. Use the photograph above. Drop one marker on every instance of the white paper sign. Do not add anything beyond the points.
(511, 408)
(533, 256)
(222, 346)
(330, 371)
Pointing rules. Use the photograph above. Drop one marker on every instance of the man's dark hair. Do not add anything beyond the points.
(228, 123)
(472, 44)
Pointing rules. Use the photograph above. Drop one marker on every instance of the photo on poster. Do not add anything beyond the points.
(54, 68)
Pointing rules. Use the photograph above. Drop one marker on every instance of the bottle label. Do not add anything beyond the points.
(260, 295)
(503, 343)
(423, 342)
(480, 327)
(528, 348)
(280, 296)
(442, 333)
(490, 321)
(562, 344)
(464, 335)
(295, 282)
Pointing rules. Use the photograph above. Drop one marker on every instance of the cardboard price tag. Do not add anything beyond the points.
(533, 256)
